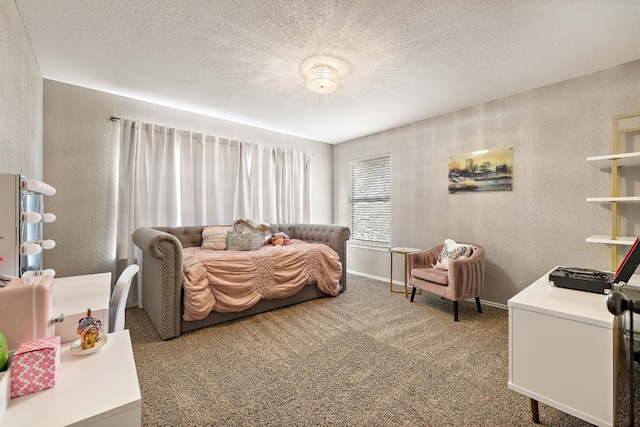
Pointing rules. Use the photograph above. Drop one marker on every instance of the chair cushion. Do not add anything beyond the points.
(435, 275)
(452, 251)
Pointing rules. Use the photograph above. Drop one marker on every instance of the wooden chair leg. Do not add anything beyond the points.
(535, 414)
(455, 311)
(478, 304)
(413, 292)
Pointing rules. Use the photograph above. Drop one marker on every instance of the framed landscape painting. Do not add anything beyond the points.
(485, 170)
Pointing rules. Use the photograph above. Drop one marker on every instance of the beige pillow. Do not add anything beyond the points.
(452, 251)
(215, 238)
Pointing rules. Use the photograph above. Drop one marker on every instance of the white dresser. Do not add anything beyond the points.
(99, 390)
(561, 351)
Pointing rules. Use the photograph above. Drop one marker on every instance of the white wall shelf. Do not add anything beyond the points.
(628, 199)
(603, 238)
(614, 162)
(624, 159)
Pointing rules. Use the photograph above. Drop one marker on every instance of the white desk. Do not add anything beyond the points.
(561, 351)
(99, 390)
(73, 295)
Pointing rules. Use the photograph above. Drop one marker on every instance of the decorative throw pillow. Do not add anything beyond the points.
(215, 238)
(247, 225)
(452, 251)
(249, 241)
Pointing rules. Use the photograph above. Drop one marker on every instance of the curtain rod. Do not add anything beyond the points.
(117, 119)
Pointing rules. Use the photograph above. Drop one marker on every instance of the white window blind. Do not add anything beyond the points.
(370, 200)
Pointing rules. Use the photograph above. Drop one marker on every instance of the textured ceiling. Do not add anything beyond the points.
(408, 60)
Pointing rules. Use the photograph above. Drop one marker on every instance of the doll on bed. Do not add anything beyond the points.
(278, 239)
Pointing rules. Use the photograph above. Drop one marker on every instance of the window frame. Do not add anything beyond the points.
(374, 174)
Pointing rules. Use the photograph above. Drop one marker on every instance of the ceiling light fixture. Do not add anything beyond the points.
(322, 79)
(323, 72)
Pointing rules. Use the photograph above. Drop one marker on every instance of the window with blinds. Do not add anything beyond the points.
(370, 200)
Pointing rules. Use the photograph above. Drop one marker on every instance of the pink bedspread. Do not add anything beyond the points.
(232, 281)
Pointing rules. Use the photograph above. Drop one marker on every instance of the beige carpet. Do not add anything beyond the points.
(364, 358)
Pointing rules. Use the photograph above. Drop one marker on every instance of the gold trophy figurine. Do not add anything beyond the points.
(90, 330)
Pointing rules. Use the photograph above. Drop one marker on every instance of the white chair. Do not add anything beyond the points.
(119, 298)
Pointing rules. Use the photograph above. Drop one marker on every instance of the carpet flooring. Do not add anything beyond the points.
(364, 358)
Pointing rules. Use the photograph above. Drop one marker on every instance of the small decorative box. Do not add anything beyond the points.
(34, 366)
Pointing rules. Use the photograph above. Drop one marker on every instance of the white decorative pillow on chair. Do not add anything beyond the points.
(452, 251)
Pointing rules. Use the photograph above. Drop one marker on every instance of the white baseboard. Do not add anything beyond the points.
(369, 276)
(399, 283)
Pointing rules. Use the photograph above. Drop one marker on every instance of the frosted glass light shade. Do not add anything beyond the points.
(35, 217)
(47, 244)
(31, 217)
(34, 248)
(322, 79)
(36, 186)
(32, 273)
(48, 217)
(30, 248)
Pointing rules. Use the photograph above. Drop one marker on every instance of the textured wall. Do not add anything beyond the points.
(80, 151)
(544, 221)
(20, 98)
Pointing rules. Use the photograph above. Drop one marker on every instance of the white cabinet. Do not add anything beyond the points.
(561, 351)
(624, 159)
(626, 132)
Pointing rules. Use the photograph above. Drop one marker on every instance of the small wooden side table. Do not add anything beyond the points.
(405, 252)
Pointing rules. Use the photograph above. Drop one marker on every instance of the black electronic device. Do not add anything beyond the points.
(596, 281)
(582, 279)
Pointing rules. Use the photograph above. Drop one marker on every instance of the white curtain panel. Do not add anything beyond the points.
(169, 177)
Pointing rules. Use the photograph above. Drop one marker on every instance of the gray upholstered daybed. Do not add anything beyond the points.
(162, 273)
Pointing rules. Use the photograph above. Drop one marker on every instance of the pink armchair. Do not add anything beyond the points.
(464, 279)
